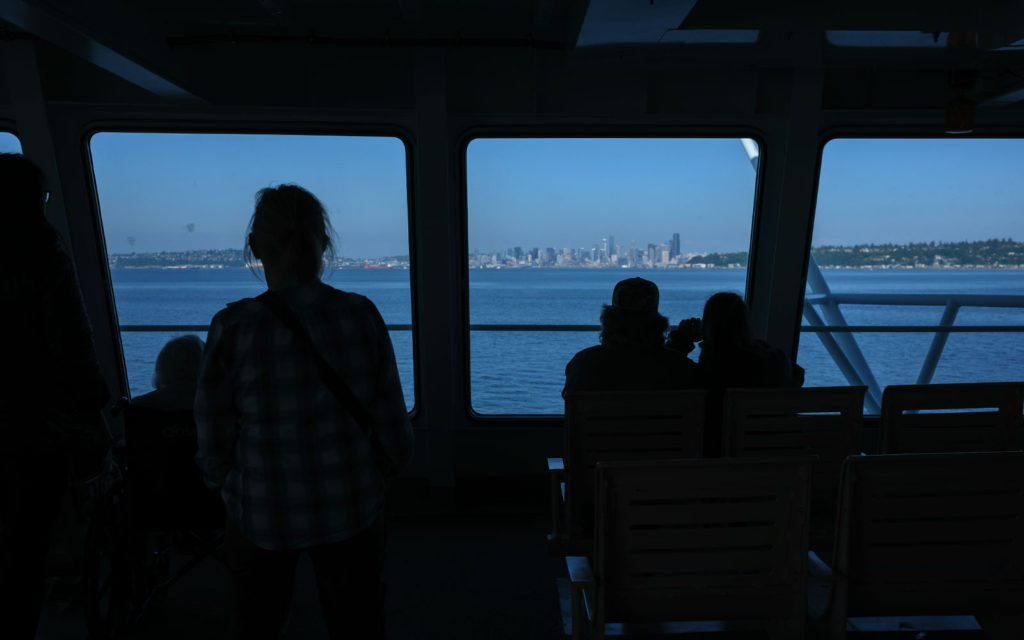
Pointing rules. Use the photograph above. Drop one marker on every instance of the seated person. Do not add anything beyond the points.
(166, 447)
(632, 354)
(175, 375)
(730, 357)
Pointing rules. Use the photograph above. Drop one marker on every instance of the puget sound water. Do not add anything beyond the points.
(522, 372)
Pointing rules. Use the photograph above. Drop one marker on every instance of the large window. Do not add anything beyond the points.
(175, 208)
(920, 244)
(554, 223)
(9, 143)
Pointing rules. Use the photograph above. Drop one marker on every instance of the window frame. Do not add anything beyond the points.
(471, 134)
(236, 127)
(885, 130)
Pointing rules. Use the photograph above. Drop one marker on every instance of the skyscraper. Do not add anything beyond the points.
(673, 247)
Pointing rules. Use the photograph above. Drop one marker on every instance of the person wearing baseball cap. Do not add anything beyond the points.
(632, 355)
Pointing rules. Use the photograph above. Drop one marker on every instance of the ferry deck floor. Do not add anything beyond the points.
(478, 569)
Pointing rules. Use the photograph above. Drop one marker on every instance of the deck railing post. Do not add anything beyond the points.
(845, 342)
(931, 360)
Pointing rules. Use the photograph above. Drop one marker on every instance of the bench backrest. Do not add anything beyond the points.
(164, 480)
(951, 417)
(702, 539)
(814, 421)
(625, 425)
(932, 534)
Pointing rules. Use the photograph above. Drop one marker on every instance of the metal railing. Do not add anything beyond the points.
(837, 336)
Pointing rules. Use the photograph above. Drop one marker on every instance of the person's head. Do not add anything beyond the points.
(22, 189)
(290, 232)
(632, 318)
(177, 364)
(725, 323)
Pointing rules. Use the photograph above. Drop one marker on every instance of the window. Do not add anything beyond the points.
(175, 208)
(9, 143)
(910, 235)
(554, 223)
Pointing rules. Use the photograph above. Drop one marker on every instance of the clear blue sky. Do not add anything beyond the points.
(551, 192)
(903, 191)
(573, 192)
(152, 187)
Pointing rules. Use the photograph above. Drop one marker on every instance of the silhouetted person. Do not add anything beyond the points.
(50, 401)
(730, 357)
(300, 465)
(632, 354)
(175, 375)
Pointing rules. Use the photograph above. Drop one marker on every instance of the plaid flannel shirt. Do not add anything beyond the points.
(293, 466)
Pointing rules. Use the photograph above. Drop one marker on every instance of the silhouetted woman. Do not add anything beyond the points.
(300, 466)
(731, 357)
(50, 399)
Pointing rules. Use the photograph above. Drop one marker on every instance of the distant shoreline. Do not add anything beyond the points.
(993, 254)
(215, 267)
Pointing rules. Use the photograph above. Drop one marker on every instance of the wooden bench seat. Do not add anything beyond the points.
(600, 426)
(720, 539)
(983, 416)
(824, 422)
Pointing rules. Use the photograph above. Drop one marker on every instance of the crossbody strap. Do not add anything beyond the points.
(335, 383)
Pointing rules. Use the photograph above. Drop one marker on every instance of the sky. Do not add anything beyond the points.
(574, 192)
(160, 191)
(902, 191)
(164, 191)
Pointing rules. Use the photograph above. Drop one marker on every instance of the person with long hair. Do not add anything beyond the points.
(51, 400)
(730, 356)
(301, 420)
(632, 354)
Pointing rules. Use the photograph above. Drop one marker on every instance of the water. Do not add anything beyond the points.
(523, 372)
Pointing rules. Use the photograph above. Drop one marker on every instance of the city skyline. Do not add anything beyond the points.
(991, 253)
(604, 253)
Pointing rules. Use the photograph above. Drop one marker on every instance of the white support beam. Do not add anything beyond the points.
(82, 42)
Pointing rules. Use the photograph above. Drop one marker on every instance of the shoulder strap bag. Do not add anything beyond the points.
(334, 382)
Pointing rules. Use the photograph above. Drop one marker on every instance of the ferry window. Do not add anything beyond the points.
(175, 207)
(911, 236)
(554, 223)
(9, 143)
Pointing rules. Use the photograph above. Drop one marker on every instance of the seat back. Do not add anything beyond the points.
(952, 417)
(815, 421)
(702, 539)
(624, 425)
(932, 534)
(164, 481)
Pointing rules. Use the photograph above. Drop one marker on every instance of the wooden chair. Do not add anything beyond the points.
(720, 539)
(630, 425)
(928, 535)
(813, 421)
(952, 417)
